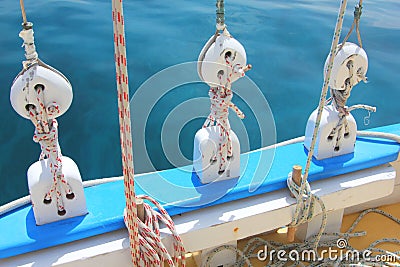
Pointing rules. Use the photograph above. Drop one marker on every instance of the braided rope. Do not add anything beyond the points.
(46, 131)
(339, 99)
(46, 134)
(356, 22)
(221, 101)
(125, 128)
(152, 250)
(145, 243)
(307, 200)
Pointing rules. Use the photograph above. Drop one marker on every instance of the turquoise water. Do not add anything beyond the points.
(286, 42)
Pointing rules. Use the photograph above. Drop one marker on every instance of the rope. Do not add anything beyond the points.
(46, 134)
(145, 244)
(307, 200)
(153, 252)
(46, 131)
(340, 97)
(298, 215)
(332, 241)
(21, 3)
(220, 98)
(125, 128)
(356, 22)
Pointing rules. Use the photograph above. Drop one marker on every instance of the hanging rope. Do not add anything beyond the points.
(356, 23)
(339, 97)
(46, 130)
(145, 243)
(298, 215)
(125, 129)
(221, 101)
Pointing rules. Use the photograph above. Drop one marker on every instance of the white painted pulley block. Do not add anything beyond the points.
(40, 181)
(206, 146)
(326, 146)
(350, 53)
(212, 59)
(57, 89)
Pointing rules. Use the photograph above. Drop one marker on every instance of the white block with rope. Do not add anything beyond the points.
(41, 93)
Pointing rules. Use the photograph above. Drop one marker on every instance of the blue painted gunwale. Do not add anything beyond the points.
(180, 191)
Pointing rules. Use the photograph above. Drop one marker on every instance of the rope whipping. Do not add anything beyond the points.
(145, 243)
(313, 258)
(46, 130)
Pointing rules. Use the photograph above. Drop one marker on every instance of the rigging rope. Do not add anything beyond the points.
(220, 98)
(304, 183)
(356, 22)
(145, 243)
(125, 129)
(46, 130)
(339, 97)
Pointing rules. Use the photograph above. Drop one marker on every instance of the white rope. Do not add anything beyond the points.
(144, 238)
(29, 45)
(339, 99)
(152, 250)
(298, 215)
(46, 131)
(221, 102)
(125, 129)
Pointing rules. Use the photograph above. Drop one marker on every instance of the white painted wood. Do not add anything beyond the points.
(217, 225)
(223, 258)
(334, 222)
(390, 199)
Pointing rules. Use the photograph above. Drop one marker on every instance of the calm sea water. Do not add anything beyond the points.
(286, 42)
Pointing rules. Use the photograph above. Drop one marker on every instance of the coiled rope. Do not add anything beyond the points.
(46, 130)
(250, 250)
(145, 243)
